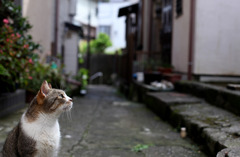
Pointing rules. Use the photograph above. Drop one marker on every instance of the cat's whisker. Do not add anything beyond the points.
(69, 115)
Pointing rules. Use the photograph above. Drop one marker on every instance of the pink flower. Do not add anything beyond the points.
(5, 21)
(30, 77)
(13, 35)
(30, 61)
(1, 51)
(7, 40)
(18, 35)
(25, 46)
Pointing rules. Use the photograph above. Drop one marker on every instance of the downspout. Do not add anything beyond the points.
(56, 27)
(150, 28)
(191, 38)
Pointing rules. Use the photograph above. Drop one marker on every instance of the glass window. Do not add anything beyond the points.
(105, 29)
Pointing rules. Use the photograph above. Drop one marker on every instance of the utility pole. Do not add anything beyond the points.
(88, 41)
(54, 53)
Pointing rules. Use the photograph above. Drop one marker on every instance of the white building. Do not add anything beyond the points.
(207, 43)
(111, 24)
(84, 8)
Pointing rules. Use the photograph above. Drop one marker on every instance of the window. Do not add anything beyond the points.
(179, 7)
(105, 29)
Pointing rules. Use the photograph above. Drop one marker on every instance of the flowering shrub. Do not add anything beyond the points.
(16, 48)
(41, 72)
(19, 65)
(16, 57)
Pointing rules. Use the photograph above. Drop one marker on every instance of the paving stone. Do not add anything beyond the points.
(170, 151)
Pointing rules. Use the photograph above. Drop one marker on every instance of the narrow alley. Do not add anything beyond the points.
(103, 124)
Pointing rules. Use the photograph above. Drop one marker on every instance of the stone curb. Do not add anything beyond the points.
(235, 152)
(10, 102)
(215, 95)
(208, 125)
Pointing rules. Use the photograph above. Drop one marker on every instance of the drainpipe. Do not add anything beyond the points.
(56, 27)
(191, 38)
(150, 28)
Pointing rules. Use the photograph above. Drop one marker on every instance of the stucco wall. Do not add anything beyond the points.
(40, 15)
(180, 38)
(217, 37)
(71, 53)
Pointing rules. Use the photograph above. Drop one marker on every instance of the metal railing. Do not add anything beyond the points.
(95, 76)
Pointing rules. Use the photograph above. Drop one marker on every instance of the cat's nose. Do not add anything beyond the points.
(70, 99)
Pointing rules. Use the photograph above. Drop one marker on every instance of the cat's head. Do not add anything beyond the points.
(53, 100)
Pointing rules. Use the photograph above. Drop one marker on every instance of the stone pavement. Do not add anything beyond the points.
(104, 124)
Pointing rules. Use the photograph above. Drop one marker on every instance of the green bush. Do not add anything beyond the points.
(41, 72)
(97, 46)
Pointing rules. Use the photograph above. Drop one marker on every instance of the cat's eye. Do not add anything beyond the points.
(61, 95)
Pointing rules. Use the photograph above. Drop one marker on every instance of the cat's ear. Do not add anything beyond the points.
(42, 92)
(45, 88)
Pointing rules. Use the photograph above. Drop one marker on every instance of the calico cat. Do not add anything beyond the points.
(38, 134)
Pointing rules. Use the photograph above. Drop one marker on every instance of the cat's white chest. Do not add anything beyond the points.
(46, 134)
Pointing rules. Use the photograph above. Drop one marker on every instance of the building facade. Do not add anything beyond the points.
(205, 37)
(55, 30)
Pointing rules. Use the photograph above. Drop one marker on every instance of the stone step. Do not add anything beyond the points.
(215, 128)
(215, 95)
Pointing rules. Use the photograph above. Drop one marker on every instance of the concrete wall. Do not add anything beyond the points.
(217, 46)
(71, 53)
(40, 15)
(180, 38)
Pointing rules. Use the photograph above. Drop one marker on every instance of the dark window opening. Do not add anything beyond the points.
(179, 7)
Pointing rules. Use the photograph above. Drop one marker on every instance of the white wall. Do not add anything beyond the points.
(71, 55)
(217, 43)
(180, 38)
(40, 15)
(83, 9)
(108, 16)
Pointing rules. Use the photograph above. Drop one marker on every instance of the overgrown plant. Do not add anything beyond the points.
(82, 76)
(16, 56)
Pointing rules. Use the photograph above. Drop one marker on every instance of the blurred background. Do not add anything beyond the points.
(72, 43)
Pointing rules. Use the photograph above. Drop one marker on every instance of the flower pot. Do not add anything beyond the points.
(164, 70)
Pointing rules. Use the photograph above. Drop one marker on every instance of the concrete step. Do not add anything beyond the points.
(215, 95)
(215, 128)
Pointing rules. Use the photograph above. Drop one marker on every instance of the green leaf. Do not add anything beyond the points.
(3, 71)
(140, 147)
